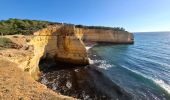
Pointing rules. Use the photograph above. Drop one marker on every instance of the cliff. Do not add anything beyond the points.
(60, 43)
(108, 36)
(63, 43)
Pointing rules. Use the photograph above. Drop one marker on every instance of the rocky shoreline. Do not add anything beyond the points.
(82, 82)
(74, 81)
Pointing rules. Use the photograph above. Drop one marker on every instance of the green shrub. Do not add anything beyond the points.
(101, 27)
(5, 42)
(18, 26)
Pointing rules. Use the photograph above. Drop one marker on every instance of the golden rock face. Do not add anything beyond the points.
(63, 43)
(108, 36)
(59, 43)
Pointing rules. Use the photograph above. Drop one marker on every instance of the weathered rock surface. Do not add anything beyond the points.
(58, 43)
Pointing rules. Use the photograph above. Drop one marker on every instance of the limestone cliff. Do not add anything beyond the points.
(62, 43)
(109, 36)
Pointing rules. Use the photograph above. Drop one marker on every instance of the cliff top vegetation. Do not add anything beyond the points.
(5, 42)
(101, 27)
(27, 27)
(18, 26)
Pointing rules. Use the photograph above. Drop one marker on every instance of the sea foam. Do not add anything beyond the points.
(163, 84)
(159, 82)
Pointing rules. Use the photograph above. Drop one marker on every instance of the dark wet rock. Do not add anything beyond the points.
(82, 82)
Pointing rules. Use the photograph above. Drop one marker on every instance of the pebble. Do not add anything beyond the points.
(76, 70)
(68, 85)
(54, 86)
(44, 81)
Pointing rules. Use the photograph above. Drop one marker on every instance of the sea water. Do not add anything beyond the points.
(141, 69)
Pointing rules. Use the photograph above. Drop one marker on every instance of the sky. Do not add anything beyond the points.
(133, 15)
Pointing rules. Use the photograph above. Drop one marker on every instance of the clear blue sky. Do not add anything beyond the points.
(134, 15)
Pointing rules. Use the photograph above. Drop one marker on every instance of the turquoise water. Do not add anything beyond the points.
(141, 69)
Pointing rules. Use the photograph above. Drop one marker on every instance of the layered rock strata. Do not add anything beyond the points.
(108, 36)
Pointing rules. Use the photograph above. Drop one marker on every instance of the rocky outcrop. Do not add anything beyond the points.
(65, 44)
(60, 43)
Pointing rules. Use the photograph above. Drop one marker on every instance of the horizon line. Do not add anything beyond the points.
(149, 31)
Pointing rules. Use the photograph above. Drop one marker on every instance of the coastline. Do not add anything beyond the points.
(76, 82)
(81, 82)
(58, 51)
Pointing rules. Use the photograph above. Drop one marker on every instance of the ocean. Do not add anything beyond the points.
(141, 69)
